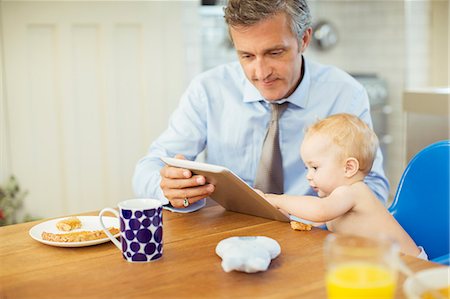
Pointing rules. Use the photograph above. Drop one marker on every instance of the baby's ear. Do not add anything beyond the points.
(351, 167)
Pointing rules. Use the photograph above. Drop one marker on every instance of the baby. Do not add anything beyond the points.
(338, 153)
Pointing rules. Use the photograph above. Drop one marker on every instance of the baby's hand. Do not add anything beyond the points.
(271, 198)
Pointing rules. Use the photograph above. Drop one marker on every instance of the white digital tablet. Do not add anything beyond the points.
(231, 192)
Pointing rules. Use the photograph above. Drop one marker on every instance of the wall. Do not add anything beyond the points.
(4, 167)
(371, 40)
(88, 86)
(440, 43)
(404, 42)
(389, 38)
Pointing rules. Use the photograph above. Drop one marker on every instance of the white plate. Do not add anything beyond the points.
(87, 223)
(434, 278)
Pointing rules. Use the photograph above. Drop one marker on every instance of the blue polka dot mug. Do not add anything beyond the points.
(141, 229)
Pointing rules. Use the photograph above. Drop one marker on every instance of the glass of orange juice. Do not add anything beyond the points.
(359, 267)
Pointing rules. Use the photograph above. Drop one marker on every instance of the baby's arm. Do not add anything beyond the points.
(312, 208)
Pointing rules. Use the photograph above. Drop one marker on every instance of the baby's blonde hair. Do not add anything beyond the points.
(351, 135)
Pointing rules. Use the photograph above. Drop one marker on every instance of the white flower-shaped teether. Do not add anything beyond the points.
(247, 254)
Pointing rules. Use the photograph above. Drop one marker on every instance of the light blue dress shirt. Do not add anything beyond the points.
(223, 113)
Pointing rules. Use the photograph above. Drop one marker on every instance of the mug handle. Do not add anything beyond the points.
(110, 236)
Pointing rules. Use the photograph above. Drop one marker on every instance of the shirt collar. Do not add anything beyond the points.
(299, 97)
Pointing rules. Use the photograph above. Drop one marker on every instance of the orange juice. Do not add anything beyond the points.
(360, 280)
(444, 291)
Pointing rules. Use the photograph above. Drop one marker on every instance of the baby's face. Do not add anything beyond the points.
(325, 171)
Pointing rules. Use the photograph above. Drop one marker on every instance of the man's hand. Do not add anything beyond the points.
(179, 184)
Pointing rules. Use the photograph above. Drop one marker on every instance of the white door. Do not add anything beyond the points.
(87, 85)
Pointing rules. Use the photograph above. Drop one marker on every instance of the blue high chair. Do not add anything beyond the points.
(421, 204)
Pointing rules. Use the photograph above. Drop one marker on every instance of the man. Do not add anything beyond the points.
(226, 111)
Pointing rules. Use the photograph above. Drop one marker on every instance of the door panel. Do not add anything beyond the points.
(88, 86)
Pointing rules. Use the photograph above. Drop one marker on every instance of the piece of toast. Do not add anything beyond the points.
(68, 224)
(80, 236)
(300, 225)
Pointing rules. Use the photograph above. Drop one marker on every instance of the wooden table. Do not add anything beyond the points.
(189, 267)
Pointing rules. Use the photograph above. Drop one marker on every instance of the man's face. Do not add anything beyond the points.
(271, 56)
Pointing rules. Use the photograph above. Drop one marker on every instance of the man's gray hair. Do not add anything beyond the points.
(249, 12)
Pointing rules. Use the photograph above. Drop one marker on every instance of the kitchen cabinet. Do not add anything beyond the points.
(427, 117)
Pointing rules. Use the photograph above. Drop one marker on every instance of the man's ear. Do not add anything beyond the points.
(306, 39)
(351, 167)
